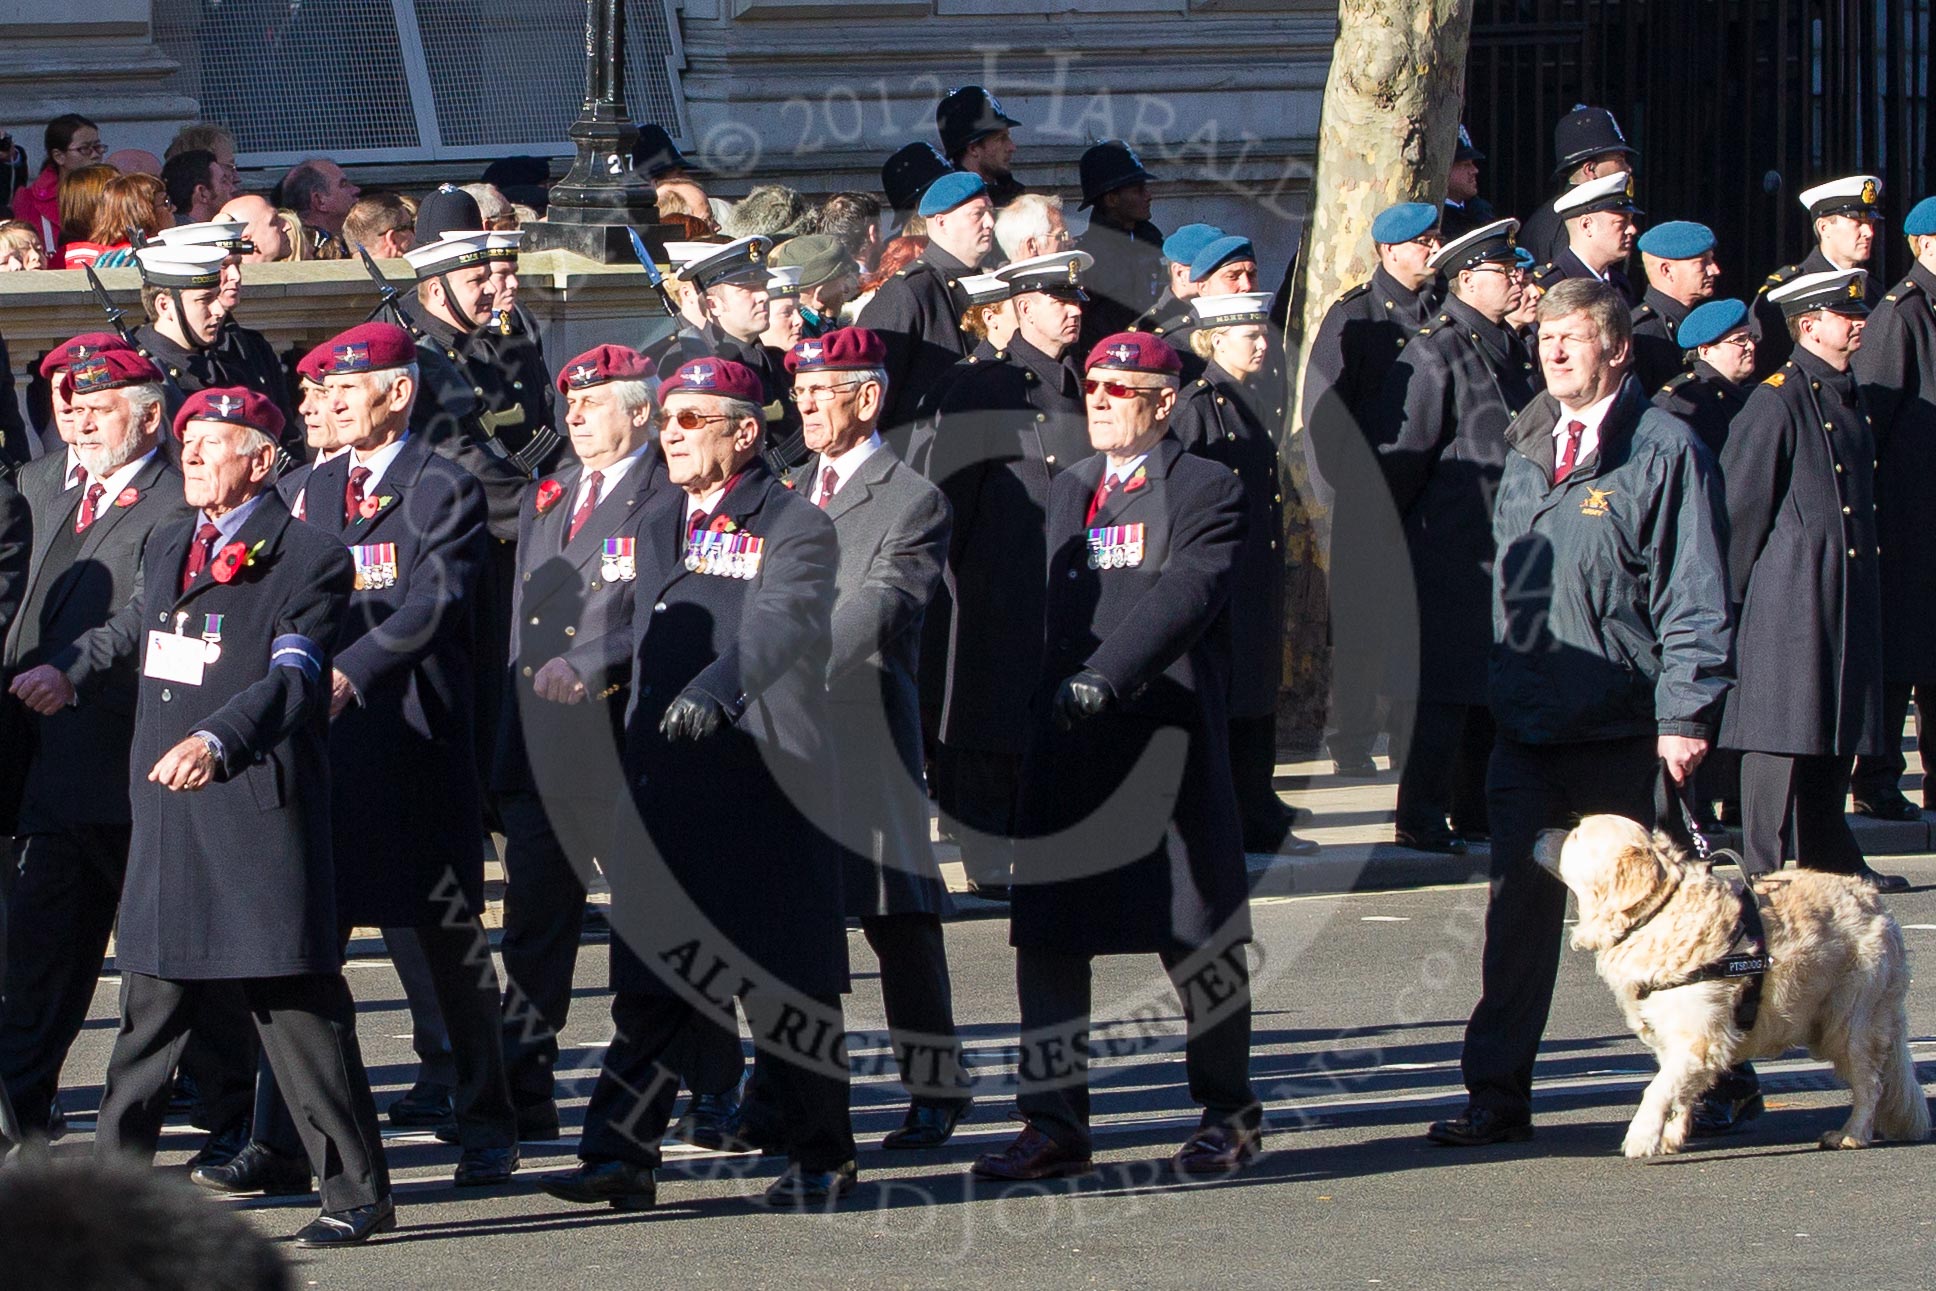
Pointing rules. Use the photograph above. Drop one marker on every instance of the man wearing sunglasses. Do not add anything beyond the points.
(1843, 214)
(1127, 785)
(1440, 425)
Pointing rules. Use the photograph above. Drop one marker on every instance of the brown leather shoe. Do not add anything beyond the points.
(1032, 1155)
(1217, 1149)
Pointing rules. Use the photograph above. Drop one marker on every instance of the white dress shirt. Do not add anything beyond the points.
(608, 479)
(844, 467)
(1591, 416)
(378, 462)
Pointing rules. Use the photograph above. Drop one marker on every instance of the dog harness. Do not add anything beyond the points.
(1746, 957)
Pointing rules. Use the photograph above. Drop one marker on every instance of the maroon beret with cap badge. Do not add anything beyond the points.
(1135, 352)
(367, 347)
(723, 377)
(845, 349)
(84, 346)
(604, 363)
(236, 405)
(109, 370)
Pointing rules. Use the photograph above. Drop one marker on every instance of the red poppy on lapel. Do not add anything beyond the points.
(722, 524)
(228, 562)
(549, 491)
(370, 506)
(1136, 481)
(127, 497)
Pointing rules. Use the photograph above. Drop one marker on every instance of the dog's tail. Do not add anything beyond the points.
(1902, 1115)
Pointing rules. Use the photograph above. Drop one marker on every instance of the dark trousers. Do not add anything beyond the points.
(1795, 802)
(1878, 779)
(429, 1036)
(465, 983)
(308, 1029)
(1534, 787)
(1357, 676)
(919, 999)
(632, 1102)
(544, 913)
(59, 918)
(1054, 990)
(221, 1056)
(979, 788)
(1445, 767)
(1253, 769)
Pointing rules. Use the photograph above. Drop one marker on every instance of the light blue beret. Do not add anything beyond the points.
(1677, 240)
(1707, 323)
(1181, 247)
(1220, 252)
(1403, 222)
(950, 191)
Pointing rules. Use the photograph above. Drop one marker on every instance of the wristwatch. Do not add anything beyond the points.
(213, 745)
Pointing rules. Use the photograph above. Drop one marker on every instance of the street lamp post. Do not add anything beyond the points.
(602, 195)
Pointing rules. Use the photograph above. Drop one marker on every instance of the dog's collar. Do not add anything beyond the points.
(1658, 903)
(1752, 961)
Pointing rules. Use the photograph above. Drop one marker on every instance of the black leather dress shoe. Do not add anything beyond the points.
(257, 1168)
(707, 1121)
(184, 1094)
(1717, 1114)
(350, 1227)
(1882, 882)
(538, 1123)
(427, 1104)
(485, 1167)
(927, 1126)
(1478, 1127)
(1032, 1155)
(1295, 846)
(1220, 1149)
(223, 1145)
(753, 1128)
(990, 891)
(1443, 842)
(802, 1189)
(618, 1184)
(1896, 808)
(1355, 769)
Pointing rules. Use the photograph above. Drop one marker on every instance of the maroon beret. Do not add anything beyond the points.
(723, 377)
(236, 405)
(367, 347)
(1135, 352)
(109, 370)
(311, 366)
(601, 364)
(86, 345)
(842, 350)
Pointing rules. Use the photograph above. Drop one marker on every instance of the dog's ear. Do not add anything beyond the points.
(1615, 897)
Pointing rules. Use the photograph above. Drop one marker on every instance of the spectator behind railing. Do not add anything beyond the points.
(129, 202)
(268, 233)
(81, 191)
(72, 142)
(381, 222)
(20, 247)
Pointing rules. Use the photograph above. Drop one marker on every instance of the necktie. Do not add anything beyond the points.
(589, 505)
(1570, 454)
(829, 481)
(199, 552)
(90, 507)
(353, 493)
(694, 523)
(77, 476)
(1103, 490)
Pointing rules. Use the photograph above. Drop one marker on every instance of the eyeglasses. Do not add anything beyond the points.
(96, 149)
(688, 419)
(1489, 266)
(812, 394)
(1743, 342)
(1117, 390)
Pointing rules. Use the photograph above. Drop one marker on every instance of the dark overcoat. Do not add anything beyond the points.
(508, 345)
(1007, 429)
(235, 879)
(1705, 400)
(892, 527)
(407, 807)
(1656, 351)
(1441, 421)
(917, 314)
(1773, 345)
(1896, 368)
(1161, 867)
(1217, 418)
(735, 818)
(1799, 469)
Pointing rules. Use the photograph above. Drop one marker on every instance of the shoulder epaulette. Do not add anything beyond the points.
(1774, 379)
(1677, 382)
(1352, 293)
(1544, 272)
(1642, 311)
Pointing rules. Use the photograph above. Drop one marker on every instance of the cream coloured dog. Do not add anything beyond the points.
(1836, 983)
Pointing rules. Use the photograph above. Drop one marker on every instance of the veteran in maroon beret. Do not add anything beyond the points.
(67, 731)
(1132, 839)
(557, 773)
(230, 882)
(724, 859)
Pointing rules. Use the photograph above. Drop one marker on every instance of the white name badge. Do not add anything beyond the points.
(173, 657)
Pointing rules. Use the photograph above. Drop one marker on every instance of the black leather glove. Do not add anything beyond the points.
(692, 716)
(1083, 695)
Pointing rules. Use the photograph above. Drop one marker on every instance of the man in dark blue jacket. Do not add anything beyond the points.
(1599, 675)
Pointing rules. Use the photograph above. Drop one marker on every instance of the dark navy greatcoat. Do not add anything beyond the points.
(1656, 351)
(407, 806)
(731, 816)
(917, 314)
(1773, 345)
(1799, 473)
(1441, 423)
(1007, 429)
(1896, 368)
(1705, 400)
(234, 879)
(1161, 867)
(1217, 418)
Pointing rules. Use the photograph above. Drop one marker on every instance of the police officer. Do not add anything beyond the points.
(1843, 214)
(1679, 260)
(1800, 465)
(1222, 416)
(1440, 420)
(1465, 210)
(1598, 217)
(238, 611)
(917, 312)
(1144, 544)
(906, 175)
(1171, 312)
(1717, 339)
(975, 137)
(1007, 427)
(1587, 145)
(1127, 248)
(1896, 367)
(1362, 335)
